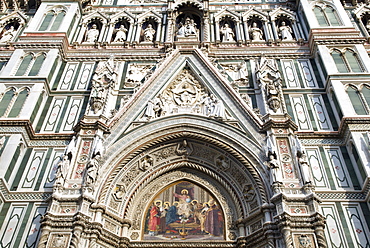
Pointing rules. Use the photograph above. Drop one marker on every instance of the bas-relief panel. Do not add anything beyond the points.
(184, 212)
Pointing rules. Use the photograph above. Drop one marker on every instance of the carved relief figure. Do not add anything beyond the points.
(227, 33)
(8, 35)
(120, 34)
(188, 28)
(285, 32)
(304, 242)
(149, 33)
(92, 34)
(145, 163)
(255, 33)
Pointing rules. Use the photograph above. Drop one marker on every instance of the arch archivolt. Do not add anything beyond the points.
(129, 190)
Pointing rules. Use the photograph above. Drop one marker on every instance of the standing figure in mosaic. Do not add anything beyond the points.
(213, 223)
(121, 34)
(154, 218)
(149, 33)
(285, 32)
(227, 34)
(255, 32)
(184, 207)
(93, 34)
(8, 35)
(172, 215)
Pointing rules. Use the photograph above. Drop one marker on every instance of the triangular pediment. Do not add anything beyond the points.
(275, 14)
(186, 83)
(226, 12)
(254, 13)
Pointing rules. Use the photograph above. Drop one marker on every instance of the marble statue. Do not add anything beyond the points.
(285, 32)
(120, 34)
(8, 35)
(274, 165)
(92, 34)
(149, 33)
(188, 28)
(227, 34)
(255, 32)
(92, 170)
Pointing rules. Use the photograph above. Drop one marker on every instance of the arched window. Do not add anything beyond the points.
(332, 16)
(353, 61)
(52, 21)
(347, 61)
(366, 93)
(30, 65)
(326, 16)
(356, 100)
(24, 65)
(5, 101)
(37, 65)
(18, 104)
(339, 61)
(320, 16)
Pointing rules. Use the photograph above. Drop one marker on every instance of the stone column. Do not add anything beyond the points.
(82, 33)
(110, 32)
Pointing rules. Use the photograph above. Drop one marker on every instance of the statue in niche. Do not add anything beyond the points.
(120, 34)
(255, 33)
(274, 165)
(302, 160)
(227, 33)
(62, 170)
(8, 35)
(63, 165)
(272, 161)
(285, 32)
(92, 34)
(92, 170)
(188, 28)
(149, 33)
(368, 25)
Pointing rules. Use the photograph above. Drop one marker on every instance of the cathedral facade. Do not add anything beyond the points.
(173, 123)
